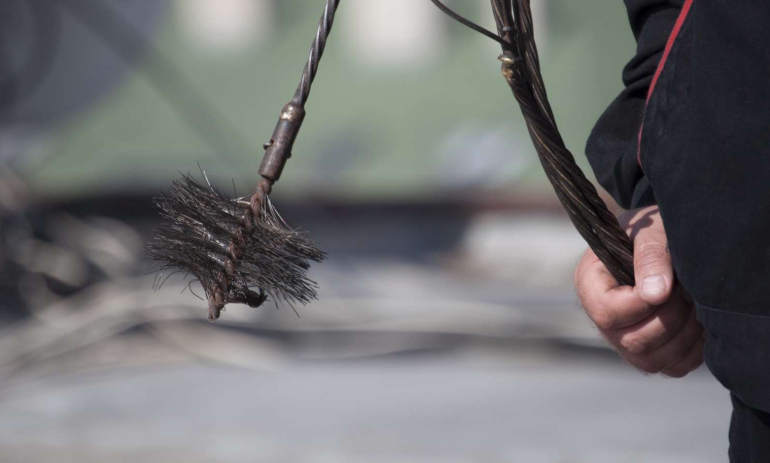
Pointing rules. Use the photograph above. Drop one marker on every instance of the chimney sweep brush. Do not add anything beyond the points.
(240, 249)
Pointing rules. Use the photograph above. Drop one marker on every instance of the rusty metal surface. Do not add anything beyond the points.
(278, 149)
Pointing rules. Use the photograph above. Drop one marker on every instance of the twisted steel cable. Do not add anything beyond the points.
(521, 69)
(316, 52)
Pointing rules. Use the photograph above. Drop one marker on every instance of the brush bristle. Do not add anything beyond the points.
(204, 232)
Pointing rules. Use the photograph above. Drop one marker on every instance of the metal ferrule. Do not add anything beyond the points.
(278, 150)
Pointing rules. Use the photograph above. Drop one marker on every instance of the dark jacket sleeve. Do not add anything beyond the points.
(613, 145)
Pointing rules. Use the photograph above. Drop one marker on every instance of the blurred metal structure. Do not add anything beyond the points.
(52, 67)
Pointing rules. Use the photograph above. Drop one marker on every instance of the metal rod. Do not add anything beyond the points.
(316, 52)
(278, 149)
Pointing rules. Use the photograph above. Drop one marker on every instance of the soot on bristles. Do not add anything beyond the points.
(237, 256)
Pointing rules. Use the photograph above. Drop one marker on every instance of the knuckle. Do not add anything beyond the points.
(605, 320)
(696, 362)
(645, 364)
(650, 367)
(650, 255)
(679, 318)
(581, 275)
(683, 351)
(683, 369)
(634, 344)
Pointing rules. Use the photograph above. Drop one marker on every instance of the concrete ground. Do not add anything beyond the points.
(394, 410)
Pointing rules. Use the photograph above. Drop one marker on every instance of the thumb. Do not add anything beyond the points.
(652, 261)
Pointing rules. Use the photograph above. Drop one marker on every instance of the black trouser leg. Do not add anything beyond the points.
(749, 434)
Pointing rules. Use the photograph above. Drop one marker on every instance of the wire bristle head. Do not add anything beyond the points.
(237, 256)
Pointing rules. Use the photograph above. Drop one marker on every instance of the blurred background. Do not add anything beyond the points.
(447, 327)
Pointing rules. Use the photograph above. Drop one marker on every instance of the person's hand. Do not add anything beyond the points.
(652, 325)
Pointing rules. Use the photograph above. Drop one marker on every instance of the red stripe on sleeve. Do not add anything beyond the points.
(666, 51)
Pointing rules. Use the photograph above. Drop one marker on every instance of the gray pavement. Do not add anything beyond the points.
(409, 410)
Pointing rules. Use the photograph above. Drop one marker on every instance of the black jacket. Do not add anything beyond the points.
(695, 139)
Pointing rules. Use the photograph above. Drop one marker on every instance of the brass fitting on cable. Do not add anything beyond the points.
(278, 150)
